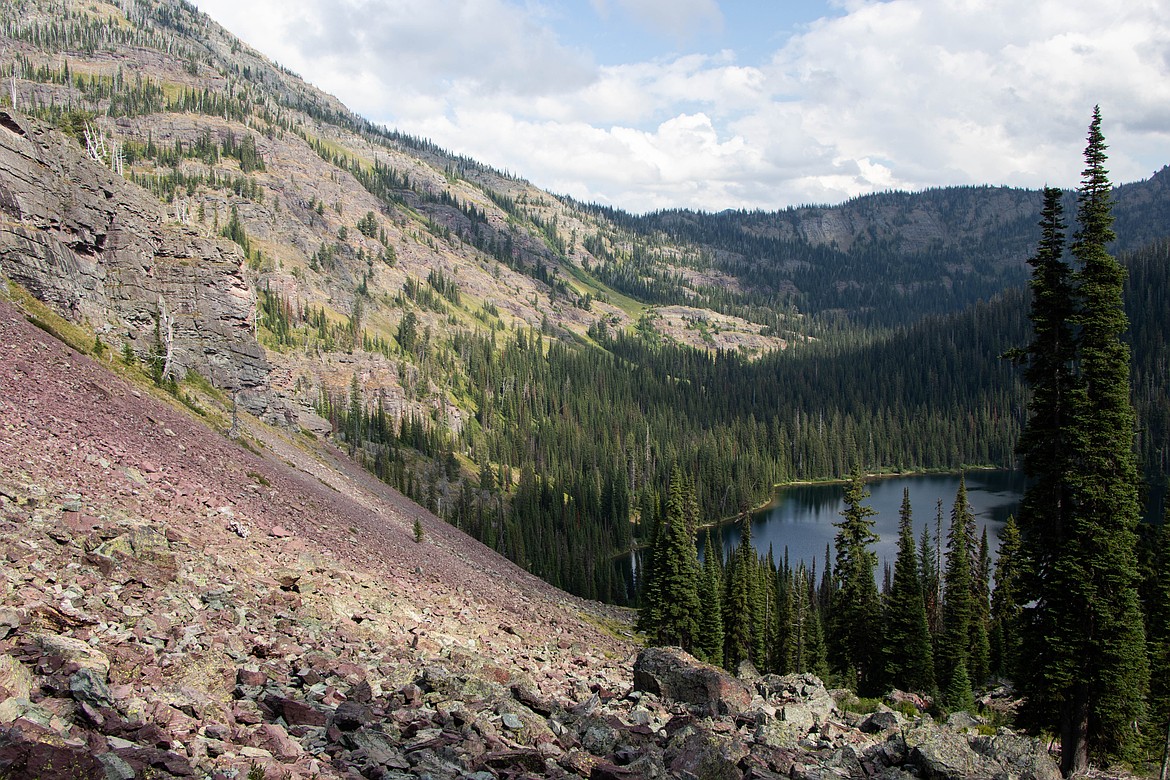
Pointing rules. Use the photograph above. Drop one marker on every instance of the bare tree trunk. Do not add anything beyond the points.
(1166, 756)
(167, 328)
(1074, 733)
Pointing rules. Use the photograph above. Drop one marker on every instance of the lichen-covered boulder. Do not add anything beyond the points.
(675, 675)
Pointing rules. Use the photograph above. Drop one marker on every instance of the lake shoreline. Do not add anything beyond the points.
(754, 512)
(877, 475)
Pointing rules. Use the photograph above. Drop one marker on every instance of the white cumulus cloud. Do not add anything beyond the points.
(679, 19)
(896, 94)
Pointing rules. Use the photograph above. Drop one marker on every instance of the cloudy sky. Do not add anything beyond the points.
(649, 104)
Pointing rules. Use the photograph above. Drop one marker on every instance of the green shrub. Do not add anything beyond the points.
(906, 708)
(861, 706)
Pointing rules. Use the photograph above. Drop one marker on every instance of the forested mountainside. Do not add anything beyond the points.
(528, 367)
(930, 252)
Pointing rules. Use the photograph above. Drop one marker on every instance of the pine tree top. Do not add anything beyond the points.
(1095, 202)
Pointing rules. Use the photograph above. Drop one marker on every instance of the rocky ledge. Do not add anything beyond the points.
(99, 250)
(459, 716)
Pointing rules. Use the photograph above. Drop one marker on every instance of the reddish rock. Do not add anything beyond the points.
(20, 757)
(79, 523)
(273, 738)
(412, 695)
(218, 731)
(673, 674)
(251, 677)
(146, 759)
(362, 692)
(352, 715)
(296, 713)
(246, 713)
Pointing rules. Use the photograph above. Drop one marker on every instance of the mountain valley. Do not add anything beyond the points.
(318, 442)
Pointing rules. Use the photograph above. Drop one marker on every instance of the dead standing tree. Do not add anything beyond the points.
(166, 327)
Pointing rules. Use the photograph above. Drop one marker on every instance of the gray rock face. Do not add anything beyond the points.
(1021, 757)
(97, 250)
(673, 674)
(697, 752)
(948, 755)
(87, 686)
(801, 699)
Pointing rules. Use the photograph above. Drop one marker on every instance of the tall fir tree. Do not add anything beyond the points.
(827, 586)
(809, 653)
(710, 641)
(783, 650)
(676, 574)
(909, 659)
(1086, 671)
(737, 601)
(816, 651)
(650, 594)
(1046, 447)
(1156, 605)
(952, 662)
(763, 609)
(855, 646)
(1005, 603)
(931, 585)
(980, 663)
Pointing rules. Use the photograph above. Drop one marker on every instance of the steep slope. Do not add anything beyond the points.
(178, 557)
(175, 603)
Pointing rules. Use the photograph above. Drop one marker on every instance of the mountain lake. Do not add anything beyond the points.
(800, 518)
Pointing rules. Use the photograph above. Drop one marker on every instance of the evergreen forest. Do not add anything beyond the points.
(1074, 612)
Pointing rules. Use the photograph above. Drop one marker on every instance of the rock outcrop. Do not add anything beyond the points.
(673, 674)
(97, 249)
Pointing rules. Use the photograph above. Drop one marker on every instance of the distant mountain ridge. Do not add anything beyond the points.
(932, 251)
(140, 67)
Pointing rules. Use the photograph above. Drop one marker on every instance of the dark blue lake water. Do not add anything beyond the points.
(800, 519)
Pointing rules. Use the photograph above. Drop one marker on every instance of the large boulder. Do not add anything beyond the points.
(24, 755)
(944, 754)
(15, 679)
(673, 674)
(1025, 758)
(73, 651)
(695, 751)
(800, 699)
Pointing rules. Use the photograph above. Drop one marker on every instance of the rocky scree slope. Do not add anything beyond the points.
(174, 603)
